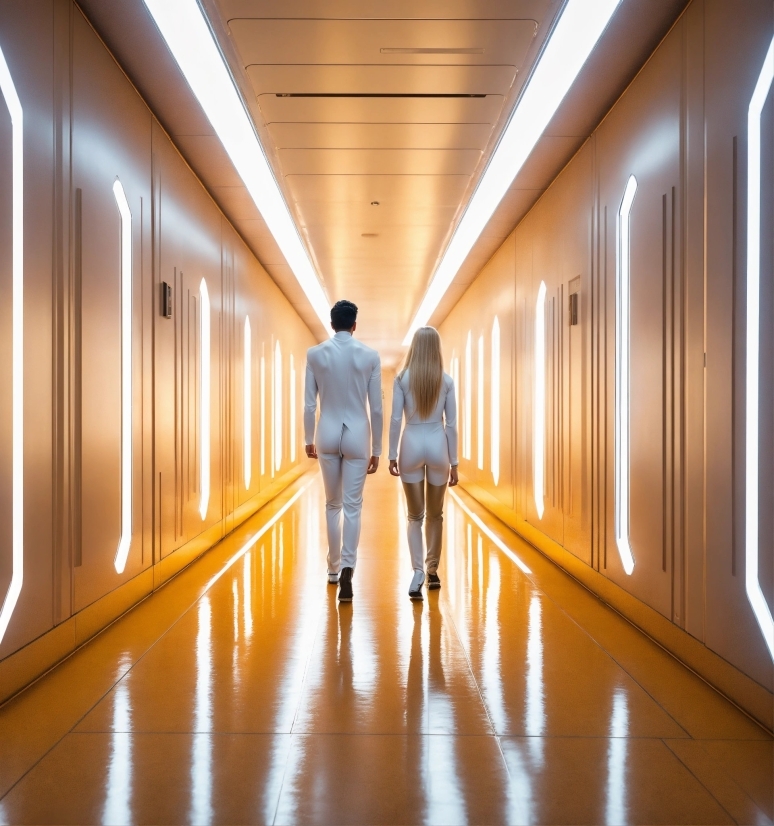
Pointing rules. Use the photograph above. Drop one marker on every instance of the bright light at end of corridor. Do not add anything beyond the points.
(622, 383)
(126, 377)
(17, 346)
(488, 534)
(204, 400)
(539, 404)
(752, 435)
(187, 34)
(572, 41)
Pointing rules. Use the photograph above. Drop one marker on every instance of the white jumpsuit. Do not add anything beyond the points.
(427, 443)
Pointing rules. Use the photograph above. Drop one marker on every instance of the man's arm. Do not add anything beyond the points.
(375, 404)
(310, 411)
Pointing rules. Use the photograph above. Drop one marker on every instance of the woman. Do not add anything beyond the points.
(428, 449)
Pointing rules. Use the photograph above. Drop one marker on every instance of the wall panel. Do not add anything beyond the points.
(681, 130)
(85, 128)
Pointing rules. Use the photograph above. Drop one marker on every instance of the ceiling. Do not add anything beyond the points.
(378, 119)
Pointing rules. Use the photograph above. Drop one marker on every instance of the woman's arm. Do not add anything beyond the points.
(395, 419)
(450, 415)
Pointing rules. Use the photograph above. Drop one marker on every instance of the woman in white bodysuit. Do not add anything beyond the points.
(428, 449)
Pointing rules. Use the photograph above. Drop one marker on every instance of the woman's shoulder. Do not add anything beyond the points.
(448, 381)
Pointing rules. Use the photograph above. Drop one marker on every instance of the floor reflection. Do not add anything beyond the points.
(615, 809)
(118, 799)
(201, 759)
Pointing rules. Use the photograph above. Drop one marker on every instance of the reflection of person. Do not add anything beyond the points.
(428, 449)
(344, 373)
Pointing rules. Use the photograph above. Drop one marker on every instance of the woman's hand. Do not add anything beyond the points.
(394, 468)
(454, 477)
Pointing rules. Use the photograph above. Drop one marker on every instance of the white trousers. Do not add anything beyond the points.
(344, 475)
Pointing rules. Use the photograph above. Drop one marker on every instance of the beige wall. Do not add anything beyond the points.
(85, 126)
(681, 129)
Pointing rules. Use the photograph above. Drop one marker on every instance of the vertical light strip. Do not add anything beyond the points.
(17, 346)
(622, 384)
(539, 402)
(126, 377)
(480, 403)
(204, 400)
(277, 406)
(752, 424)
(247, 364)
(263, 412)
(467, 425)
(292, 409)
(495, 412)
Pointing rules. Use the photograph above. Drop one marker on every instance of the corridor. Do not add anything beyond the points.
(242, 692)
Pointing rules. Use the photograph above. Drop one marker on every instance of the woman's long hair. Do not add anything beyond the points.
(425, 365)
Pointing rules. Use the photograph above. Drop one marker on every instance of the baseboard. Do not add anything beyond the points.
(753, 698)
(29, 663)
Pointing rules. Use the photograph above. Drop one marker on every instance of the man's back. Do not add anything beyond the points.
(344, 372)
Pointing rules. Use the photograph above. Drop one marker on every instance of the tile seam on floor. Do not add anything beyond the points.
(703, 785)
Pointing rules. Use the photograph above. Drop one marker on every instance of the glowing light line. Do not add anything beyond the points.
(247, 365)
(752, 435)
(622, 385)
(17, 345)
(204, 400)
(539, 404)
(495, 412)
(125, 541)
(488, 534)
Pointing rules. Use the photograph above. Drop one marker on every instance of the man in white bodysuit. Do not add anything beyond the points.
(344, 373)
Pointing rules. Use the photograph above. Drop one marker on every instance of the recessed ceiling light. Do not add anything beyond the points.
(576, 34)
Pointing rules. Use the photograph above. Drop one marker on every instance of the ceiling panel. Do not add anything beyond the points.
(380, 80)
(380, 135)
(380, 110)
(387, 161)
(466, 42)
(387, 190)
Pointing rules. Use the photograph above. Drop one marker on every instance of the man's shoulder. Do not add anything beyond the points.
(317, 349)
(366, 350)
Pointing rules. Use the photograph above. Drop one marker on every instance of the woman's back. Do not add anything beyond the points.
(409, 405)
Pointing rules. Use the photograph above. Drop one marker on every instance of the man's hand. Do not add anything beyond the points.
(311, 451)
(454, 477)
(373, 464)
(394, 468)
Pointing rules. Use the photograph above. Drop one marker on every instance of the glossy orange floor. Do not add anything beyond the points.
(243, 693)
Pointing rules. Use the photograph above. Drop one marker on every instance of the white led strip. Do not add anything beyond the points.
(495, 412)
(17, 346)
(248, 413)
(184, 28)
(752, 425)
(277, 406)
(572, 41)
(292, 388)
(126, 377)
(480, 404)
(623, 381)
(204, 400)
(539, 403)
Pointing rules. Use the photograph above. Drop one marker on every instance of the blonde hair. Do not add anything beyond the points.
(425, 365)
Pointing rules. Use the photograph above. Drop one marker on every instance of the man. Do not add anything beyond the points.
(344, 373)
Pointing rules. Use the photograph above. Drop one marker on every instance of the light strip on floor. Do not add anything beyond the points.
(572, 41)
(126, 377)
(17, 345)
(539, 403)
(253, 539)
(247, 414)
(752, 415)
(488, 534)
(494, 437)
(622, 384)
(204, 400)
(184, 28)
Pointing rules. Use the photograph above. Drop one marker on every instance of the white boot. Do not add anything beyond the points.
(415, 589)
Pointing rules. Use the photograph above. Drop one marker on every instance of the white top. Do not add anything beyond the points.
(444, 413)
(344, 372)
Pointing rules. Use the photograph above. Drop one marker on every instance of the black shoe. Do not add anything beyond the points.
(415, 589)
(433, 582)
(345, 585)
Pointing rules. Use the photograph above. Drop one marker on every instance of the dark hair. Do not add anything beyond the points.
(343, 315)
